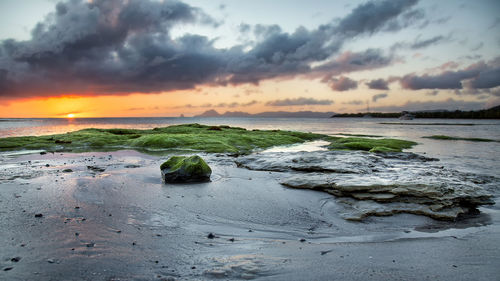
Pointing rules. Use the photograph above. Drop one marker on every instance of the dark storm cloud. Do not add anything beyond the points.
(342, 84)
(121, 47)
(351, 62)
(378, 96)
(373, 16)
(480, 75)
(299, 101)
(378, 84)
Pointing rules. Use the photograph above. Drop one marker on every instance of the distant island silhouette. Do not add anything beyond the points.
(491, 113)
(268, 114)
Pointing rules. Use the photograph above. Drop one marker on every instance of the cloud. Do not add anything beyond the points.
(352, 62)
(419, 43)
(298, 102)
(122, 47)
(373, 16)
(219, 105)
(379, 96)
(481, 75)
(477, 47)
(449, 104)
(354, 102)
(341, 84)
(378, 84)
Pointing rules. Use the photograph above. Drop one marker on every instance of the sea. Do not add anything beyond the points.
(468, 156)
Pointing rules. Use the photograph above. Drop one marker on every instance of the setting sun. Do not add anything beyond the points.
(71, 115)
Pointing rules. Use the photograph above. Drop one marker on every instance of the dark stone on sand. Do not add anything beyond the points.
(181, 169)
(96, 169)
(38, 215)
(67, 171)
(47, 165)
(210, 236)
(43, 153)
(15, 259)
(8, 268)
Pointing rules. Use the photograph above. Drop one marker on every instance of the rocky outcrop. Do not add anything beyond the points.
(439, 201)
(373, 184)
(180, 169)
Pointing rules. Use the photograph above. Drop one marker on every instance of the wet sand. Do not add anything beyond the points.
(112, 218)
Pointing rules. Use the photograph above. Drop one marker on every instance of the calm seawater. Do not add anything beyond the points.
(468, 156)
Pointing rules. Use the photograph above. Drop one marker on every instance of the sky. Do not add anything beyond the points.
(127, 58)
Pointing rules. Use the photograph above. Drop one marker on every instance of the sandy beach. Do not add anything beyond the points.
(109, 216)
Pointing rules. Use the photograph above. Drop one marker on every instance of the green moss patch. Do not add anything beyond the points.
(358, 135)
(442, 137)
(190, 137)
(372, 145)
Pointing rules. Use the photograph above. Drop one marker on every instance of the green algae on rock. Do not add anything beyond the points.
(178, 169)
(189, 137)
(443, 137)
(371, 145)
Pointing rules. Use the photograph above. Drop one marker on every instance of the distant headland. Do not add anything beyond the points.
(268, 114)
(491, 113)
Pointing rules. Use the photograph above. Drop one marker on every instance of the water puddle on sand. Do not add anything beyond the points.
(243, 267)
(306, 147)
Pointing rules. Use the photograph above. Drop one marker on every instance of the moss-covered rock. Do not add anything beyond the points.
(178, 169)
(442, 137)
(188, 137)
(371, 145)
(191, 137)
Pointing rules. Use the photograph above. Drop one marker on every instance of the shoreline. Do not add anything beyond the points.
(130, 225)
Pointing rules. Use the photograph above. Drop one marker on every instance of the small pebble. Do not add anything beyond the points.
(50, 261)
(302, 240)
(16, 259)
(210, 236)
(38, 215)
(8, 268)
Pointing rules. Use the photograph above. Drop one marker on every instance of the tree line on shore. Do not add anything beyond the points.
(491, 113)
